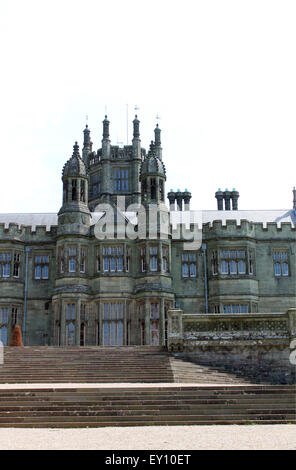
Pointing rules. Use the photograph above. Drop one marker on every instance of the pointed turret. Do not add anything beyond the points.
(137, 160)
(106, 123)
(106, 185)
(87, 144)
(153, 176)
(157, 140)
(74, 214)
(136, 124)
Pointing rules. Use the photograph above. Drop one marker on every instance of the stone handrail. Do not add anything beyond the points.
(187, 331)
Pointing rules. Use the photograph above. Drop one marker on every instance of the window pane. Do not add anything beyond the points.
(192, 270)
(224, 267)
(45, 272)
(233, 267)
(285, 270)
(3, 335)
(277, 269)
(37, 272)
(242, 267)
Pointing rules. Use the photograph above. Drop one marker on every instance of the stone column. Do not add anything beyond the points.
(162, 323)
(124, 324)
(77, 322)
(147, 257)
(101, 323)
(63, 324)
(147, 321)
(160, 258)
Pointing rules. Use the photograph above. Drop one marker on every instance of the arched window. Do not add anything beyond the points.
(70, 334)
(74, 190)
(65, 190)
(82, 191)
(153, 188)
(3, 335)
(82, 334)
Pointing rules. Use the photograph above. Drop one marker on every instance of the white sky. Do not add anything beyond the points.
(221, 75)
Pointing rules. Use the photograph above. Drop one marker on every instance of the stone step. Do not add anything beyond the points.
(152, 419)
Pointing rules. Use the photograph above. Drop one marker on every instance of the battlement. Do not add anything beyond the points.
(27, 233)
(248, 228)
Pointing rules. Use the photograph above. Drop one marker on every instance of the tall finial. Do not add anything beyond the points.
(136, 124)
(106, 128)
(294, 198)
(157, 139)
(76, 150)
(86, 142)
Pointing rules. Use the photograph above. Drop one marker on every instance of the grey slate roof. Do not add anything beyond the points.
(262, 216)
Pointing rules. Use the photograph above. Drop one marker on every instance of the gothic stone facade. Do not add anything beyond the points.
(63, 285)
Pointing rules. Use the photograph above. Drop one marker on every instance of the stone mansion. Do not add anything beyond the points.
(65, 285)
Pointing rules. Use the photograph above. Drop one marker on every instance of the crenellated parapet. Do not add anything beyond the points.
(244, 228)
(28, 234)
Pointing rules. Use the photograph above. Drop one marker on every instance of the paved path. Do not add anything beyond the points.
(252, 437)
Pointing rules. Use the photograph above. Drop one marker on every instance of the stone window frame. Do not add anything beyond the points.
(165, 263)
(143, 260)
(112, 312)
(121, 182)
(6, 263)
(17, 259)
(61, 259)
(281, 261)
(234, 305)
(82, 259)
(42, 264)
(70, 321)
(72, 252)
(153, 252)
(113, 258)
(188, 260)
(232, 262)
(128, 251)
(70, 313)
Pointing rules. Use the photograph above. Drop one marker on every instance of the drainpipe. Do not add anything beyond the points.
(27, 250)
(204, 251)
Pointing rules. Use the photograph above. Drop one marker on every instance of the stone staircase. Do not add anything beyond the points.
(85, 365)
(147, 406)
(133, 364)
(130, 386)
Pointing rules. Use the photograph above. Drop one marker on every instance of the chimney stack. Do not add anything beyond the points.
(227, 196)
(234, 197)
(172, 199)
(219, 197)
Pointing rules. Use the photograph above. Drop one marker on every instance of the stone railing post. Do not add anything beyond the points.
(175, 330)
(292, 322)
